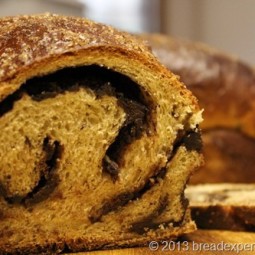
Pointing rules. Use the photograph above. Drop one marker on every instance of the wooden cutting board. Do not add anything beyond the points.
(200, 242)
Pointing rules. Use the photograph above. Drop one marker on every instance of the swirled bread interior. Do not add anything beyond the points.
(91, 157)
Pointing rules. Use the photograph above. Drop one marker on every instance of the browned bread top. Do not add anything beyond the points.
(25, 39)
(45, 42)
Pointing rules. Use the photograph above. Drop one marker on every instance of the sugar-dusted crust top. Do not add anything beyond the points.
(29, 40)
(35, 45)
(24, 39)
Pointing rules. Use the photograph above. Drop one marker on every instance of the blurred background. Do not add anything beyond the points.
(228, 25)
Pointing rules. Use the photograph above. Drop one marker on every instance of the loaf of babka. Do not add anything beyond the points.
(98, 139)
(225, 88)
(223, 206)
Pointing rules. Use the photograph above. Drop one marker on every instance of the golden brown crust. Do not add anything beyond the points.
(29, 42)
(29, 39)
(25, 39)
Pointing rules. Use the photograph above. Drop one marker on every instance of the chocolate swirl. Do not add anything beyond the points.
(40, 89)
(109, 83)
(97, 141)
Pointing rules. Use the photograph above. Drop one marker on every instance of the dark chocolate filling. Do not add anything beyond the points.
(129, 97)
(48, 176)
(111, 205)
(49, 179)
(71, 79)
(141, 227)
(108, 83)
(192, 141)
(132, 129)
(122, 199)
(182, 139)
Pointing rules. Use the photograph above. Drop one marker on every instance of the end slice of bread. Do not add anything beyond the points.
(223, 206)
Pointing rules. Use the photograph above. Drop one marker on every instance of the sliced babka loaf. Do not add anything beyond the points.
(97, 142)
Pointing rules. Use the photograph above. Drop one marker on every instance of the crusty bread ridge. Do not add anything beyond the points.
(98, 139)
(225, 88)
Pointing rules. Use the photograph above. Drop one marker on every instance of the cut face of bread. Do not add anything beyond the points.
(97, 142)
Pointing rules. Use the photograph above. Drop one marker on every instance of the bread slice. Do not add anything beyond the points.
(223, 206)
(97, 142)
(225, 88)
